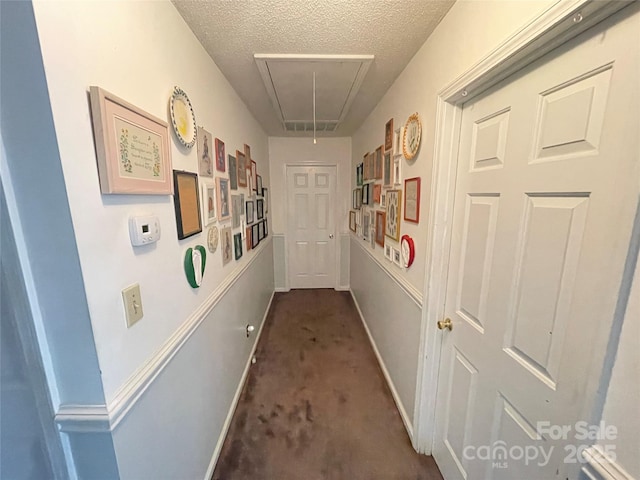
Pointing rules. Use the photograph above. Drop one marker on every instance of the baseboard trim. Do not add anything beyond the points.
(411, 291)
(85, 418)
(236, 397)
(396, 397)
(282, 289)
(600, 466)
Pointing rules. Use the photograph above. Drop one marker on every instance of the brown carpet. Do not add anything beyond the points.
(316, 405)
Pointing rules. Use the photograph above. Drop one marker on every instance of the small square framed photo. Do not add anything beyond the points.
(227, 245)
(208, 203)
(380, 224)
(388, 252)
(260, 208)
(255, 237)
(220, 156)
(187, 204)
(397, 259)
(237, 245)
(352, 221)
(249, 210)
(223, 199)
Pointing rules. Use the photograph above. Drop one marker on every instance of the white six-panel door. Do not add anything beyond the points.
(547, 189)
(310, 226)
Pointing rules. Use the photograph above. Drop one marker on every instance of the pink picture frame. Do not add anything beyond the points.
(132, 147)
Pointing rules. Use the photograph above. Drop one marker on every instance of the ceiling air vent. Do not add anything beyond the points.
(308, 126)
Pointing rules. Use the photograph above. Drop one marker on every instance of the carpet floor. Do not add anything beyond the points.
(316, 405)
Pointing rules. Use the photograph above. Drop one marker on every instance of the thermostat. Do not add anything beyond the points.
(144, 230)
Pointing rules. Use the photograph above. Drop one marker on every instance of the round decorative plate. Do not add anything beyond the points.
(182, 117)
(408, 251)
(412, 136)
(212, 239)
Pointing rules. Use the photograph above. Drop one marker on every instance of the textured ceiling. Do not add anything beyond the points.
(232, 31)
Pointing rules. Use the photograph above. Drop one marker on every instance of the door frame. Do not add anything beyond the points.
(334, 204)
(552, 28)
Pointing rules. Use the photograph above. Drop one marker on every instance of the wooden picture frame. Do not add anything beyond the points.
(259, 209)
(380, 224)
(255, 237)
(233, 172)
(226, 243)
(357, 198)
(186, 201)
(387, 170)
(242, 168)
(392, 218)
(377, 192)
(254, 175)
(132, 147)
(352, 221)
(377, 171)
(208, 202)
(223, 197)
(204, 144)
(237, 246)
(412, 200)
(248, 238)
(388, 136)
(220, 156)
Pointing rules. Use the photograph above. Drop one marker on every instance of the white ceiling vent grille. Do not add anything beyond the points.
(289, 83)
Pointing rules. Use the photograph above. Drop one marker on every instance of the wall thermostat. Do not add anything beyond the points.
(144, 230)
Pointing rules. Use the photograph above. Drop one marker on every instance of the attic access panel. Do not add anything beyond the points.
(289, 83)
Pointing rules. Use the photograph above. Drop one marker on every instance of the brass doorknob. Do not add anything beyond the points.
(445, 324)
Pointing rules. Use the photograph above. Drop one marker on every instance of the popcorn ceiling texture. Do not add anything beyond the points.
(232, 31)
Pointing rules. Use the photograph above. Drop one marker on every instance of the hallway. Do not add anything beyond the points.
(316, 405)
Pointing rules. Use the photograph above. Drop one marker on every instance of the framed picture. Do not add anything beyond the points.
(365, 193)
(249, 211)
(387, 172)
(378, 163)
(186, 201)
(383, 200)
(377, 191)
(236, 210)
(209, 203)
(220, 155)
(227, 246)
(266, 227)
(259, 185)
(233, 172)
(352, 221)
(397, 259)
(392, 220)
(388, 252)
(359, 172)
(265, 195)
(412, 200)
(255, 237)
(397, 174)
(132, 147)
(372, 238)
(237, 245)
(261, 231)
(247, 154)
(242, 168)
(388, 136)
(397, 148)
(254, 173)
(248, 238)
(224, 202)
(205, 163)
(366, 227)
(365, 166)
(260, 209)
(380, 223)
(357, 198)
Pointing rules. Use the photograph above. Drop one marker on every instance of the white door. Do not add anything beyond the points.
(546, 192)
(310, 226)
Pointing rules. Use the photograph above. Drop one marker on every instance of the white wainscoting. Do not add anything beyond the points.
(170, 419)
(391, 315)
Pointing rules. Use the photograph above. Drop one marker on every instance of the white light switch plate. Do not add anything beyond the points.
(132, 304)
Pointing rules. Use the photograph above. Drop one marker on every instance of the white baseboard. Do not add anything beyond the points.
(282, 289)
(236, 397)
(396, 397)
(343, 288)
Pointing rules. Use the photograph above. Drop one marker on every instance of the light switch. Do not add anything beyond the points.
(132, 304)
